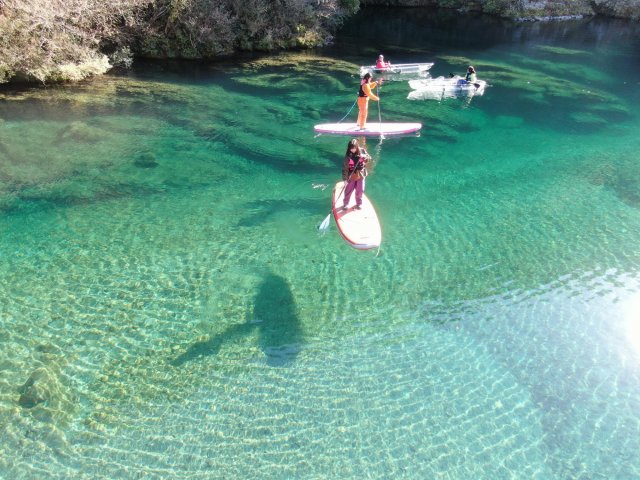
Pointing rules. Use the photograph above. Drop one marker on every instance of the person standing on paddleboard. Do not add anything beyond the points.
(364, 94)
(354, 171)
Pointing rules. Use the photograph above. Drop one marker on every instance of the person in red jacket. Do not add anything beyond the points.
(364, 94)
(381, 64)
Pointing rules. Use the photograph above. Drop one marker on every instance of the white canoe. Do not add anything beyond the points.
(360, 228)
(441, 87)
(401, 68)
(373, 129)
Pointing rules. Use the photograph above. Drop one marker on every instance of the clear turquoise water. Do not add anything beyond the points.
(169, 309)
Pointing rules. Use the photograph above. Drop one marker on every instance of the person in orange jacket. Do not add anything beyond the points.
(364, 94)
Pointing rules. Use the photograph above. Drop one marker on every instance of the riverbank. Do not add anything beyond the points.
(51, 43)
(54, 45)
(527, 10)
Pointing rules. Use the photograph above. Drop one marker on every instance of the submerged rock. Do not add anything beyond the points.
(38, 389)
(145, 160)
(80, 132)
(549, 18)
(46, 397)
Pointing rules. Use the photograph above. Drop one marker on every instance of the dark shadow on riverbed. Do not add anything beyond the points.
(274, 314)
(279, 326)
(260, 212)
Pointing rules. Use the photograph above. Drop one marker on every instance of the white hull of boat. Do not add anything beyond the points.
(441, 87)
(400, 69)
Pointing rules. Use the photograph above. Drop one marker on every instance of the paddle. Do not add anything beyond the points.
(325, 223)
(379, 87)
(477, 85)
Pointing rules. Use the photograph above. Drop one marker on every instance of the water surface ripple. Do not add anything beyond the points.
(169, 309)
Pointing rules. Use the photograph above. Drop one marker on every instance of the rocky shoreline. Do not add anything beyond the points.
(526, 10)
(54, 45)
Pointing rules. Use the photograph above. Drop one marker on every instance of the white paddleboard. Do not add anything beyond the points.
(373, 129)
(359, 228)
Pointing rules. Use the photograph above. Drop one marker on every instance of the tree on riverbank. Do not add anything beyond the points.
(206, 28)
(57, 40)
(60, 40)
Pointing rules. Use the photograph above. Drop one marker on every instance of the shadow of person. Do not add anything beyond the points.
(273, 314)
(212, 346)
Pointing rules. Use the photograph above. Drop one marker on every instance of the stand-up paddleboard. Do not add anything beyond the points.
(373, 129)
(359, 228)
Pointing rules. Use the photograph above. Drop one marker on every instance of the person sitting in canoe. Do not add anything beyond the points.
(364, 94)
(354, 171)
(469, 79)
(381, 64)
(471, 75)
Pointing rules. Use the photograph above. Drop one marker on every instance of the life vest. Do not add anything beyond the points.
(354, 167)
(471, 77)
(371, 85)
(361, 91)
(355, 162)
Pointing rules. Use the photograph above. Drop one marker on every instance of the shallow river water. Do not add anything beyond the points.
(170, 310)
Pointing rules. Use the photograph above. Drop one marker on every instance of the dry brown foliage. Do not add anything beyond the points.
(58, 40)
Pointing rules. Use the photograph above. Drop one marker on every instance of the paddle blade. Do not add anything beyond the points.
(325, 224)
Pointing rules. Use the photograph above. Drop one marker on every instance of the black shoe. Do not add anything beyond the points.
(358, 207)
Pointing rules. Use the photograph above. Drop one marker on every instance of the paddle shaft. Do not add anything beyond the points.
(409, 64)
(400, 65)
(379, 87)
(477, 85)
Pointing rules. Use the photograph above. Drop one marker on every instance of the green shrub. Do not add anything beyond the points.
(350, 6)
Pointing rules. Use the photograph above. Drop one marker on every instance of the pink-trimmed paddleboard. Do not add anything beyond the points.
(359, 228)
(373, 128)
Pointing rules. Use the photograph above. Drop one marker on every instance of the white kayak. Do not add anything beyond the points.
(373, 129)
(401, 68)
(360, 228)
(441, 87)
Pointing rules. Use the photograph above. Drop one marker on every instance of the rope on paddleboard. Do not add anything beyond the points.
(354, 104)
